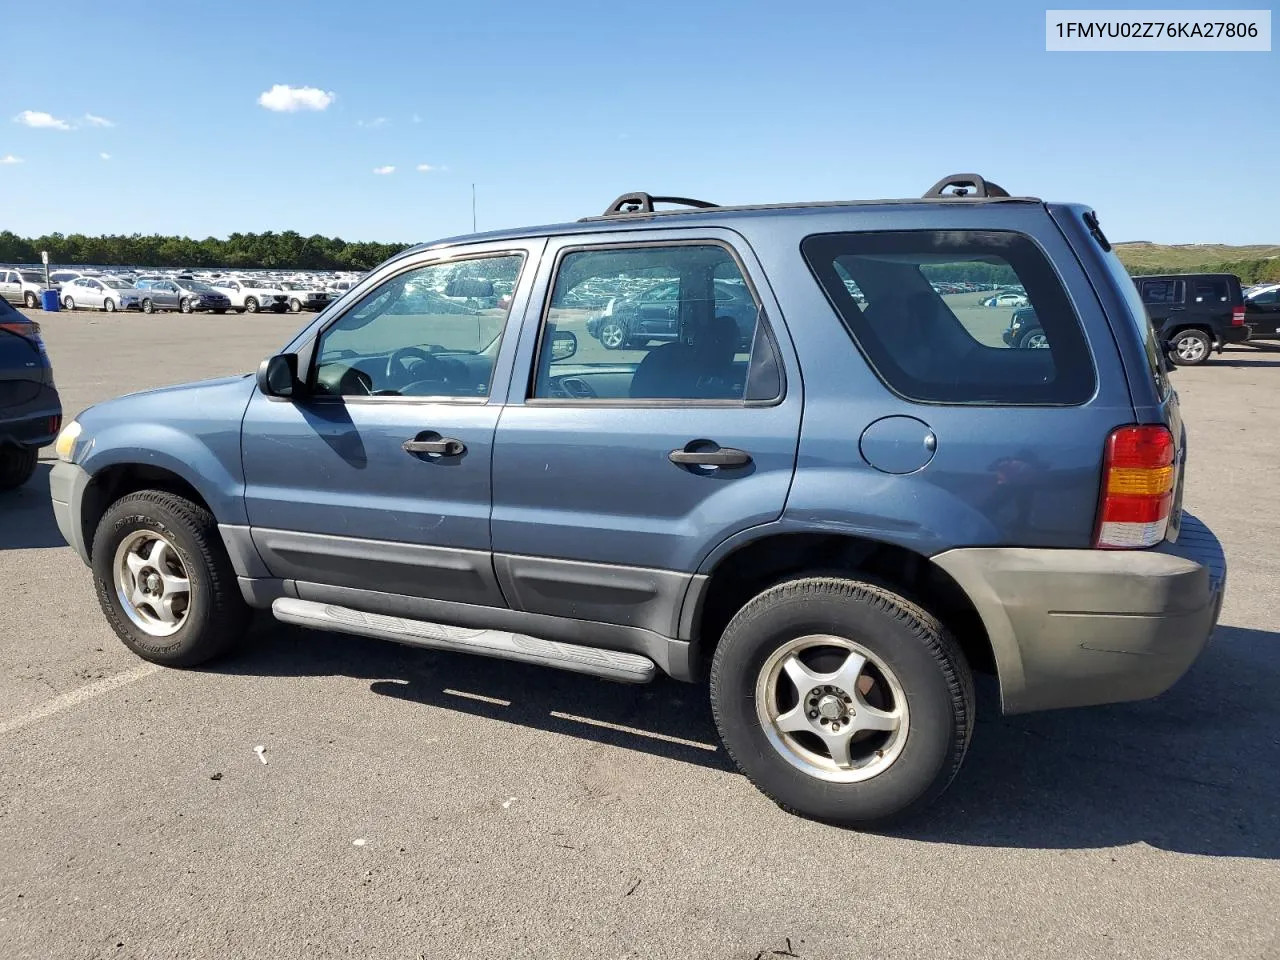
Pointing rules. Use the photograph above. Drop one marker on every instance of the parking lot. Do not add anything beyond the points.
(421, 804)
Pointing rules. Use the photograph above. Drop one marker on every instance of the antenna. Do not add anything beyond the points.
(473, 208)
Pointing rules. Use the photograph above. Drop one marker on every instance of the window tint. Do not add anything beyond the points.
(655, 323)
(434, 331)
(1156, 292)
(1210, 291)
(1270, 297)
(943, 316)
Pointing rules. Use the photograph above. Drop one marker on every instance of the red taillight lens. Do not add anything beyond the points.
(1137, 488)
(1237, 316)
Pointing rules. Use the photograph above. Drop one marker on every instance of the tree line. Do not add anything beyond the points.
(287, 250)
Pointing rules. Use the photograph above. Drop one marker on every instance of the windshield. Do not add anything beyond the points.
(32, 276)
(117, 284)
(195, 286)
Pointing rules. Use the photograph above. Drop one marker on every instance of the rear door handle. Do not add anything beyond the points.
(721, 457)
(436, 444)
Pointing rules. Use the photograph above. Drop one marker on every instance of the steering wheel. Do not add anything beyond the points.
(396, 371)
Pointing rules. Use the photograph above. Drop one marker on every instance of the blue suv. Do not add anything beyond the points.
(836, 520)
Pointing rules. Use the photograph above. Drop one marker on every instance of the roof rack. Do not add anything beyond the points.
(964, 185)
(640, 202)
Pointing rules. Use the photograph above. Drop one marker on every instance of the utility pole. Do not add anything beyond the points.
(473, 208)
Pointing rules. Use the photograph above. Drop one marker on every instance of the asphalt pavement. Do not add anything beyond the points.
(421, 804)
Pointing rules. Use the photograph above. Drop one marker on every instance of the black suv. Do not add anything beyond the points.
(30, 410)
(1194, 313)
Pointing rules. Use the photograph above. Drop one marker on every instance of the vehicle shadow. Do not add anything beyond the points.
(26, 515)
(1241, 363)
(1196, 770)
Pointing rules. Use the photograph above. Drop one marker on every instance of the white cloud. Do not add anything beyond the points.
(375, 122)
(41, 120)
(283, 98)
(9, 160)
(105, 156)
(93, 121)
(384, 171)
(427, 168)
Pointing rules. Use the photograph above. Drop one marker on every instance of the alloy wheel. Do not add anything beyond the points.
(151, 583)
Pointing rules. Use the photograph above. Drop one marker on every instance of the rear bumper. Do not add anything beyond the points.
(1073, 628)
(1235, 334)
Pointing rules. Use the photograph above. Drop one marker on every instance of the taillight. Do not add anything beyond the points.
(30, 330)
(1137, 488)
(1237, 316)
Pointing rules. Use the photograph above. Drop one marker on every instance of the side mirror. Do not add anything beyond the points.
(564, 344)
(278, 376)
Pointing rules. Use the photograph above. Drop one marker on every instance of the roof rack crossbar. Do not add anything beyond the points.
(643, 203)
(965, 185)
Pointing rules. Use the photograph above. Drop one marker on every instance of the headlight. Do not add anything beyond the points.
(65, 445)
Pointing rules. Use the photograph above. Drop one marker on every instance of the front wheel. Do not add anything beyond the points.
(68, 303)
(148, 307)
(164, 580)
(1190, 348)
(251, 305)
(17, 466)
(109, 305)
(842, 701)
(613, 334)
(185, 305)
(295, 306)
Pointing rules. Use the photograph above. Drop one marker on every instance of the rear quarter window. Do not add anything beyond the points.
(956, 316)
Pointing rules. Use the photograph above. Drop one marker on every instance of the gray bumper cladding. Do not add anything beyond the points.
(1073, 628)
(610, 664)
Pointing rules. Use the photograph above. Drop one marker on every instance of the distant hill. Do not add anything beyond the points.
(1251, 263)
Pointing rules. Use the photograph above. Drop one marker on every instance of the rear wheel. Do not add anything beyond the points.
(30, 300)
(147, 306)
(17, 465)
(1189, 348)
(251, 305)
(842, 701)
(185, 305)
(164, 580)
(613, 334)
(295, 305)
(1034, 340)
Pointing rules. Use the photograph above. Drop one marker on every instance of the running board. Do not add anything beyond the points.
(610, 664)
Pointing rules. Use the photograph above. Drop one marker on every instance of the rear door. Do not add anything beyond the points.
(1165, 300)
(616, 471)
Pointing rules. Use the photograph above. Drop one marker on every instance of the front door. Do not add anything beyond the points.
(1262, 314)
(378, 479)
(619, 468)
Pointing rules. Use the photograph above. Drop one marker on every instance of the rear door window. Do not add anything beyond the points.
(942, 316)
(1210, 291)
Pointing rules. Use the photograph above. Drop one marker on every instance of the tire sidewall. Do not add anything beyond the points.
(148, 307)
(921, 771)
(122, 519)
(1198, 335)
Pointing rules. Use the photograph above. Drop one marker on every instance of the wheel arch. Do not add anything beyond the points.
(118, 480)
(755, 566)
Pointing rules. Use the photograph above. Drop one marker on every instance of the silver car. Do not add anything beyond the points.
(22, 286)
(100, 293)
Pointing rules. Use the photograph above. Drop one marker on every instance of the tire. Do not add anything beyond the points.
(914, 671)
(68, 303)
(251, 305)
(295, 306)
(214, 616)
(31, 300)
(17, 466)
(148, 306)
(109, 305)
(185, 305)
(1033, 340)
(1190, 348)
(613, 334)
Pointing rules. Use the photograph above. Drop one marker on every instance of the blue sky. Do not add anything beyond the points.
(554, 108)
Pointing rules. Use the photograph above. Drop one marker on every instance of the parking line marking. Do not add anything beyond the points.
(78, 696)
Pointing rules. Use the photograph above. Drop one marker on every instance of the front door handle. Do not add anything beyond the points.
(436, 444)
(720, 457)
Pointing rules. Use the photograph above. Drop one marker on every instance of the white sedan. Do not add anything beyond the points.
(100, 293)
(1006, 300)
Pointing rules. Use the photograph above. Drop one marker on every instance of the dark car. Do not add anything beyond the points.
(1262, 314)
(188, 296)
(633, 322)
(30, 410)
(1194, 313)
(1024, 331)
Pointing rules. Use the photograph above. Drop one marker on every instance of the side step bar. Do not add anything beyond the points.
(611, 664)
